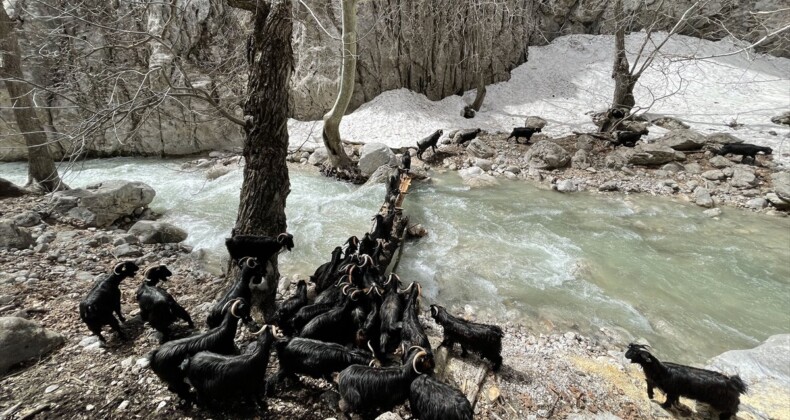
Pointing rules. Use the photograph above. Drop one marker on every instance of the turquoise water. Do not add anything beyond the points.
(646, 267)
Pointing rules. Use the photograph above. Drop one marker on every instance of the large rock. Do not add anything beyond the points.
(22, 340)
(580, 159)
(683, 140)
(479, 148)
(669, 123)
(13, 236)
(374, 155)
(766, 370)
(318, 157)
(782, 119)
(702, 197)
(476, 178)
(743, 178)
(149, 232)
(648, 154)
(781, 181)
(106, 204)
(535, 122)
(722, 138)
(720, 162)
(546, 154)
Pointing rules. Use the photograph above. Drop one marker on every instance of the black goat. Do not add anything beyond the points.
(104, 299)
(307, 313)
(393, 188)
(627, 138)
(157, 307)
(315, 358)
(333, 325)
(744, 149)
(411, 333)
(284, 314)
(430, 141)
(223, 377)
(525, 132)
(261, 247)
(251, 271)
(370, 329)
(430, 399)
(323, 276)
(382, 226)
(464, 136)
(166, 360)
(367, 245)
(405, 161)
(722, 392)
(351, 246)
(391, 313)
(480, 338)
(364, 388)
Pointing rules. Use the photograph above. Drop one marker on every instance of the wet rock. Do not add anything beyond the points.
(21, 340)
(702, 197)
(157, 232)
(476, 178)
(670, 123)
(217, 171)
(374, 155)
(566, 185)
(12, 236)
(720, 162)
(714, 175)
(380, 175)
(714, 212)
(479, 148)
(757, 203)
(720, 139)
(108, 203)
(609, 186)
(546, 154)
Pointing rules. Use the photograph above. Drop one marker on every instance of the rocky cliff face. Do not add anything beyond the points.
(120, 92)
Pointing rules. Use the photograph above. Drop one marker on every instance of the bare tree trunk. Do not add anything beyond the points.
(624, 81)
(480, 96)
(266, 184)
(334, 148)
(42, 173)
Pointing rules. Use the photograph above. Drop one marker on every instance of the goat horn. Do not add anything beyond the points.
(251, 263)
(415, 347)
(344, 289)
(233, 308)
(147, 270)
(263, 328)
(354, 293)
(225, 306)
(277, 332)
(284, 234)
(408, 288)
(370, 346)
(374, 363)
(414, 362)
(115, 269)
(419, 290)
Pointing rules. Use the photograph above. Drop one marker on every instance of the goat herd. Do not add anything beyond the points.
(362, 327)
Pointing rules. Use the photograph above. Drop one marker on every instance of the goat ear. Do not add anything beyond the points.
(646, 357)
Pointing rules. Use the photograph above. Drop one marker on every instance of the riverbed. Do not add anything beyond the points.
(645, 267)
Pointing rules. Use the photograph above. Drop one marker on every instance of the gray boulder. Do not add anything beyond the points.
(722, 138)
(484, 164)
(614, 160)
(535, 122)
(683, 140)
(781, 181)
(648, 154)
(127, 251)
(720, 162)
(13, 236)
(743, 178)
(612, 185)
(476, 178)
(777, 202)
(693, 168)
(381, 175)
(546, 154)
(673, 167)
(27, 219)
(580, 160)
(714, 175)
(107, 203)
(783, 118)
(318, 157)
(702, 197)
(566, 185)
(479, 148)
(374, 155)
(157, 232)
(670, 123)
(757, 203)
(21, 340)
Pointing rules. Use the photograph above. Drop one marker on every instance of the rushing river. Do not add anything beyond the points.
(646, 267)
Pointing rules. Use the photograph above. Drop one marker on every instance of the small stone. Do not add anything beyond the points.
(90, 407)
(757, 203)
(51, 388)
(143, 362)
(702, 197)
(123, 405)
(161, 405)
(714, 175)
(608, 186)
(493, 394)
(714, 212)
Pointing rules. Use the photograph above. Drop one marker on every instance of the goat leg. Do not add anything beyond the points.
(118, 311)
(116, 327)
(671, 400)
(180, 312)
(649, 389)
